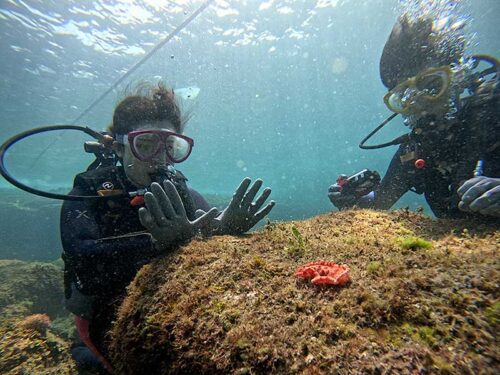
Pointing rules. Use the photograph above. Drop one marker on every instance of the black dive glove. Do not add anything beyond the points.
(243, 212)
(480, 194)
(339, 199)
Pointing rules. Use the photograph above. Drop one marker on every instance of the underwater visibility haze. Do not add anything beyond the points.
(281, 90)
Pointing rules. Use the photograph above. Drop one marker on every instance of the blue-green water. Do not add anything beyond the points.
(287, 89)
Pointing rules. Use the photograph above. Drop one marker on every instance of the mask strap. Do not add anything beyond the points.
(121, 138)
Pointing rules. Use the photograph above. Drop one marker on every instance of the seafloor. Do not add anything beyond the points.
(35, 329)
(423, 298)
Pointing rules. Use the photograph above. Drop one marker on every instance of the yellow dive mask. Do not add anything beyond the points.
(429, 86)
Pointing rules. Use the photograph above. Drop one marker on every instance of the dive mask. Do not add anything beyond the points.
(429, 86)
(147, 144)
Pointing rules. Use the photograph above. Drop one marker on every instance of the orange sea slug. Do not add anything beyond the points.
(324, 272)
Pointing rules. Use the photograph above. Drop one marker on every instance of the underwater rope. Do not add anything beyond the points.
(146, 57)
(134, 67)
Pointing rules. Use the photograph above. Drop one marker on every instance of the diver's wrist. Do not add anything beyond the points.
(158, 245)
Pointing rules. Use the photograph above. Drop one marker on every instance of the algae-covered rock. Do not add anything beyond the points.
(28, 346)
(35, 329)
(31, 288)
(233, 305)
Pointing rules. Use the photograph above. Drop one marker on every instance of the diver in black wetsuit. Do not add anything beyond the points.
(451, 136)
(106, 241)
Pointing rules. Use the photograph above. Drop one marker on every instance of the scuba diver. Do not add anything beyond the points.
(452, 153)
(106, 241)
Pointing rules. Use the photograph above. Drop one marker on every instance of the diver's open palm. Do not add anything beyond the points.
(480, 194)
(243, 213)
(165, 216)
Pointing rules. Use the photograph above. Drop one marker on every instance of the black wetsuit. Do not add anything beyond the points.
(450, 150)
(105, 244)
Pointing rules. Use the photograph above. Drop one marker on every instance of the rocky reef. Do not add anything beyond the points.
(35, 329)
(29, 346)
(31, 288)
(423, 298)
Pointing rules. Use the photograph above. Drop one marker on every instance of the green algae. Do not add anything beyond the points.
(296, 245)
(374, 267)
(414, 243)
(427, 335)
(492, 314)
(217, 306)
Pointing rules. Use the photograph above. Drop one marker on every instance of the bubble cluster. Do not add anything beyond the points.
(450, 22)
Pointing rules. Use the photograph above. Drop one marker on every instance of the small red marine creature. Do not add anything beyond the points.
(324, 272)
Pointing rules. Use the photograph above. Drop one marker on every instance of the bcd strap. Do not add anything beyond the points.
(69, 275)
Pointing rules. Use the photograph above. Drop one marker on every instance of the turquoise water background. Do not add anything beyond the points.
(287, 90)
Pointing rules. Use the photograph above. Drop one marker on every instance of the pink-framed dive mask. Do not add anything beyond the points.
(147, 144)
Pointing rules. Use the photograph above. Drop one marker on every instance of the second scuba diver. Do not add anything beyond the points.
(452, 154)
(106, 241)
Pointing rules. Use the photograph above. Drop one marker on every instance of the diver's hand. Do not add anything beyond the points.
(243, 213)
(339, 199)
(165, 217)
(480, 194)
